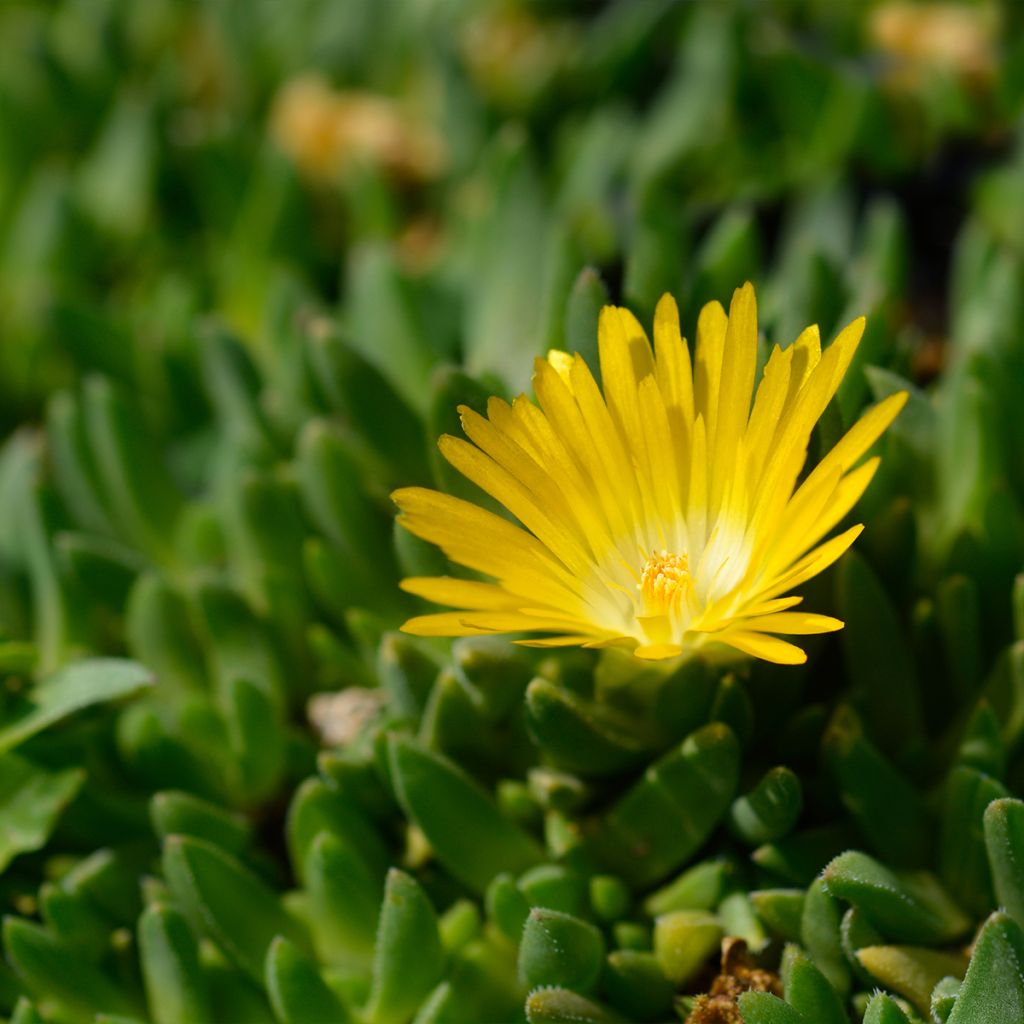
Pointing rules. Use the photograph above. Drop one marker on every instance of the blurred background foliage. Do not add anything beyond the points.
(252, 255)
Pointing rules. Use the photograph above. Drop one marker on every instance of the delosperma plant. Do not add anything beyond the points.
(318, 317)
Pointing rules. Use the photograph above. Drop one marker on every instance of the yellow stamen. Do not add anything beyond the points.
(664, 581)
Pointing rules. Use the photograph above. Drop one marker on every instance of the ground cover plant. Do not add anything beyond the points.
(254, 259)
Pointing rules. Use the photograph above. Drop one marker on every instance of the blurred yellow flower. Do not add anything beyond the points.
(324, 130)
(664, 515)
(511, 56)
(952, 37)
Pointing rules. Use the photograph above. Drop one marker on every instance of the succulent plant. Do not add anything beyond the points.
(251, 264)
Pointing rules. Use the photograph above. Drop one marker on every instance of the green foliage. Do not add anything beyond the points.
(993, 988)
(225, 900)
(176, 985)
(69, 690)
(231, 790)
(31, 801)
(683, 941)
(52, 972)
(1004, 843)
(912, 907)
(408, 960)
(459, 820)
(910, 971)
(559, 949)
(297, 992)
(769, 810)
(661, 822)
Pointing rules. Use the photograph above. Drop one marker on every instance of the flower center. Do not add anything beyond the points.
(664, 581)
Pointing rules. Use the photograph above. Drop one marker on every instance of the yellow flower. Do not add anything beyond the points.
(663, 516)
(324, 130)
(951, 37)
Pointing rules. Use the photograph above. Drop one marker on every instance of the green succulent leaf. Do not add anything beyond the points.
(1004, 842)
(557, 949)
(944, 999)
(176, 987)
(671, 811)
(140, 493)
(963, 858)
(910, 971)
(820, 934)
(297, 992)
(74, 921)
(635, 984)
(588, 296)
(878, 658)
(908, 907)
(161, 635)
(31, 802)
(769, 810)
(882, 1010)
(384, 324)
(409, 957)
(461, 822)
(781, 910)
(71, 689)
(810, 994)
(344, 899)
(736, 913)
(176, 813)
(698, 888)
(765, 1008)
(507, 907)
(889, 811)
(993, 988)
(562, 1006)
(54, 972)
(855, 933)
(226, 901)
(317, 808)
(683, 942)
(25, 1013)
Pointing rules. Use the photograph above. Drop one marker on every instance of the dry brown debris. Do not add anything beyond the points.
(738, 974)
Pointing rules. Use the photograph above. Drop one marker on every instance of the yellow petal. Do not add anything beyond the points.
(806, 356)
(626, 359)
(777, 604)
(794, 432)
(458, 593)
(660, 465)
(473, 623)
(562, 362)
(608, 442)
(861, 436)
(768, 405)
(813, 563)
(532, 511)
(441, 624)
(482, 541)
(555, 641)
(658, 652)
(793, 622)
(566, 418)
(845, 496)
(739, 359)
(697, 502)
(768, 648)
(514, 622)
(711, 329)
(673, 371)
